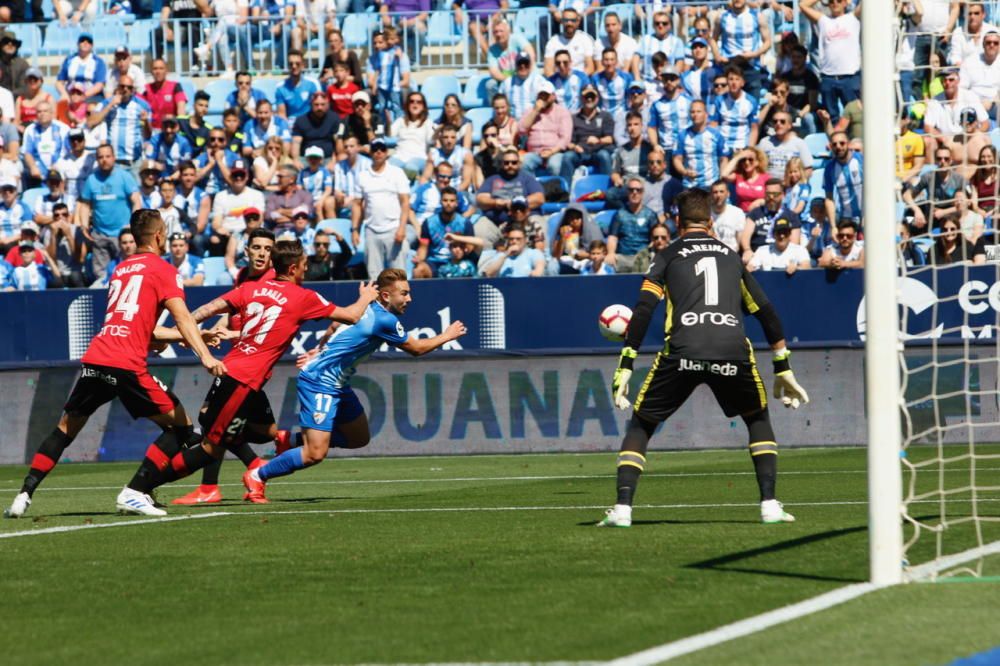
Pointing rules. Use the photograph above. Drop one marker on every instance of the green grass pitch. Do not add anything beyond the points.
(474, 559)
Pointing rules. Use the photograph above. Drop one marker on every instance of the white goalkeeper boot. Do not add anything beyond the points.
(18, 506)
(132, 501)
(772, 511)
(620, 515)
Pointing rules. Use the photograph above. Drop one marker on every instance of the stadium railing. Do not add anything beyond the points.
(446, 44)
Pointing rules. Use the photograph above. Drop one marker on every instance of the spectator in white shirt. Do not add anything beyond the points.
(383, 202)
(967, 41)
(839, 52)
(782, 254)
(623, 45)
(944, 116)
(980, 72)
(730, 224)
(579, 44)
(783, 146)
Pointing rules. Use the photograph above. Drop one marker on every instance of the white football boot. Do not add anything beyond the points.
(132, 501)
(620, 515)
(772, 511)
(18, 506)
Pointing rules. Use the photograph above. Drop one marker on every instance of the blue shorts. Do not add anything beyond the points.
(324, 409)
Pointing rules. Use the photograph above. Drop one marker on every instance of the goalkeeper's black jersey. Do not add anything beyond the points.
(707, 291)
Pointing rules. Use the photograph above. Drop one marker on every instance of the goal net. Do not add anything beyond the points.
(947, 295)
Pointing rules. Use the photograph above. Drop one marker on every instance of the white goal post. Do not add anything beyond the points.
(885, 488)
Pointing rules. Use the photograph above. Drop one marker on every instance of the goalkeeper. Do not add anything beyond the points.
(707, 291)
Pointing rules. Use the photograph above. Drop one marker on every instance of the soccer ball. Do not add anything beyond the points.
(613, 322)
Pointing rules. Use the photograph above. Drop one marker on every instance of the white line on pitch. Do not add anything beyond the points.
(745, 627)
(94, 526)
(476, 479)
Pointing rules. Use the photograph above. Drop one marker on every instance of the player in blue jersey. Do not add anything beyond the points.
(329, 411)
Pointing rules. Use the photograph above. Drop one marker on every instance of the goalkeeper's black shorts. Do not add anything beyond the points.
(737, 386)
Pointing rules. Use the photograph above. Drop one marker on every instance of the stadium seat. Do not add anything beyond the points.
(268, 86)
(527, 21)
(215, 272)
(213, 119)
(60, 40)
(219, 90)
(551, 229)
(817, 144)
(30, 197)
(436, 88)
(30, 36)
(604, 219)
(816, 183)
(995, 138)
(109, 32)
(549, 208)
(478, 117)
(187, 85)
(357, 29)
(588, 184)
(140, 35)
(441, 30)
(51, 89)
(341, 226)
(475, 94)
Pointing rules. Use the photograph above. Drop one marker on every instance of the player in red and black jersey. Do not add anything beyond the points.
(272, 311)
(261, 427)
(708, 291)
(114, 366)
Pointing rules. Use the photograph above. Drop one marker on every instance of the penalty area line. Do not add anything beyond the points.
(745, 627)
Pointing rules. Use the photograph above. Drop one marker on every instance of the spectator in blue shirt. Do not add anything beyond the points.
(127, 118)
(317, 180)
(245, 97)
(84, 67)
(388, 74)
(169, 148)
(611, 82)
(107, 199)
(295, 93)
(842, 181)
(13, 214)
(31, 275)
(514, 258)
(434, 250)
(258, 130)
(735, 113)
(630, 229)
(190, 268)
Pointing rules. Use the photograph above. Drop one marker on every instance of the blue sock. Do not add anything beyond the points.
(288, 462)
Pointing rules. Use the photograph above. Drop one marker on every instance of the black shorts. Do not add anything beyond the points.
(142, 394)
(736, 384)
(229, 406)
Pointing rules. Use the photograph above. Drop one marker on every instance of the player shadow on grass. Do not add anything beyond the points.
(721, 563)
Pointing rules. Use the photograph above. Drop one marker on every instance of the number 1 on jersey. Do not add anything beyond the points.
(706, 266)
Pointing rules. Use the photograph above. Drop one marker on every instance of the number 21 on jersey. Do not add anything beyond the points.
(260, 318)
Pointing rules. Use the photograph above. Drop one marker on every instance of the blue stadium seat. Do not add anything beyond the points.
(268, 86)
(604, 219)
(51, 89)
(213, 119)
(817, 144)
(441, 30)
(215, 272)
(475, 93)
(30, 36)
(109, 32)
(187, 85)
(60, 40)
(587, 184)
(816, 183)
(140, 35)
(30, 197)
(527, 21)
(478, 117)
(551, 229)
(219, 90)
(436, 88)
(341, 226)
(357, 29)
(549, 208)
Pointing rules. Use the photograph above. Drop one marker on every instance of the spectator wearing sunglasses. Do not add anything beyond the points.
(496, 195)
(568, 82)
(579, 44)
(783, 146)
(328, 261)
(230, 207)
(127, 119)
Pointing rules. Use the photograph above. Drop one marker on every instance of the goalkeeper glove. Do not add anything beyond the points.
(619, 383)
(785, 386)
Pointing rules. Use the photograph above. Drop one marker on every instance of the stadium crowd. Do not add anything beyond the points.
(573, 169)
